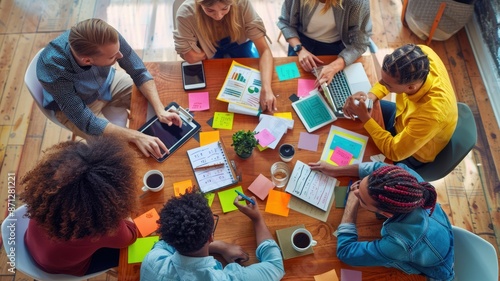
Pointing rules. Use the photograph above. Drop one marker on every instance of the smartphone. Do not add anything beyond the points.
(193, 75)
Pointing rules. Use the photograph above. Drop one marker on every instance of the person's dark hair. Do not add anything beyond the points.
(186, 222)
(407, 64)
(396, 191)
(86, 37)
(81, 189)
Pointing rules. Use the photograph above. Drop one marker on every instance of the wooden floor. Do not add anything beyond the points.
(470, 194)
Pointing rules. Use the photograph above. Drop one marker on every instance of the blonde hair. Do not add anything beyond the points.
(328, 3)
(86, 37)
(229, 23)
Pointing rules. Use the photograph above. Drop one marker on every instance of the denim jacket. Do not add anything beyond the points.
(415, 243)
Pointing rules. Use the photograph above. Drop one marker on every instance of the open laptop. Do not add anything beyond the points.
(345, 83)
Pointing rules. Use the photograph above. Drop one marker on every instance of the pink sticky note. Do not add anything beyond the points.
(265, 137)
(261, 187)
(350, 275)
(304, 86)
(341, 157)
(198, 101)
(308, 141)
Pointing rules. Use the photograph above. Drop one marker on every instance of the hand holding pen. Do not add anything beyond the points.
(250, 210)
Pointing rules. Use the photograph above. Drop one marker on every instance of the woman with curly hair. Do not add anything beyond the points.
(416, 236)
(79, 199)
(187, 242)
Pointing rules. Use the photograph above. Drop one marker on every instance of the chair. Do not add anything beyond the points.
(462, 141)
(175, 7)
(23, 260)
(475, 258)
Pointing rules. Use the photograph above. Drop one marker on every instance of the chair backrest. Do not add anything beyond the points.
(36, 89)
(462, 141)
(15, 226)
(175, 7)
(475, 258)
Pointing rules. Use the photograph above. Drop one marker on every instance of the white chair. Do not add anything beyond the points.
(475, 258)
(23, 260)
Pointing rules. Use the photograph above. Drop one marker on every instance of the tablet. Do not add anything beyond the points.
(314, 112)
(172, 136)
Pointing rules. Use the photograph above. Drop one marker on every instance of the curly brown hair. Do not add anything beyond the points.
(81, 189)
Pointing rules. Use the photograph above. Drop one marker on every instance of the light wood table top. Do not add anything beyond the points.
(235, 227)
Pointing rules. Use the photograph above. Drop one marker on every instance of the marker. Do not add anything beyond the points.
(209, 166)
(245, 197)
(347, 193)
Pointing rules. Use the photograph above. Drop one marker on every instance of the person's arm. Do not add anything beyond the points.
(266, 67)
(329, 70)
(185, 38)
(335, 171)
(148, 89)
(230, 252)
(252, 211)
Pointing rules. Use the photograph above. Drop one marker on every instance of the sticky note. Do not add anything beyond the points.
(350, 275)
(209, 137)
(327, 276)
(286, 115)
(146, 223)
(261, 186)
(210, 198)
(137, 251)
(304, 86)
(352, 147)
(226, 199)
(287, 71)
(265, 137)
(308, 141)
(341, 157)
(277, 203)
(223, 120)
(198, 101)
(182, 186)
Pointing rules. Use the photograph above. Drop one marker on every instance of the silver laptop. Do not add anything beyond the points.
(345, 83)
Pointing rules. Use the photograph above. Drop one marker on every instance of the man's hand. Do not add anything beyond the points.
(355, 106)
(250, 210)
(149, 145)
(170, 118)
(307, 60)
(230, 252)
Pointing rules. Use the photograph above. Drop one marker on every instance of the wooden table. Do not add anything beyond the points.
(234, 227)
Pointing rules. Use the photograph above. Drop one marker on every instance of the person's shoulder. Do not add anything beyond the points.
(356, 3)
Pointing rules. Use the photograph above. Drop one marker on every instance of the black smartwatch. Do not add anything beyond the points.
(297, 48)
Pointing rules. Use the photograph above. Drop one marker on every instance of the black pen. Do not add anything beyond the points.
(245, 197)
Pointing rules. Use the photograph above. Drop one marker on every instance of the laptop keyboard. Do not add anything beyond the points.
(339, 88)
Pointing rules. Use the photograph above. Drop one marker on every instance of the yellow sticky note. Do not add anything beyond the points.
(277, 203)
(182, 187)
(146, 223)
(286, 115)
(223, 120)
(138, 251)
(209, 137)
(226, 199)
(327, 276)
(210, 197)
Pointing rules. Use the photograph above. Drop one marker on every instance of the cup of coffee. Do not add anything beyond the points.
(287, 151)
(280, 173)
(302, 240)
(153, 181)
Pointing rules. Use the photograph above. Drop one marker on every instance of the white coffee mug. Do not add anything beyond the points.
(302, 240)
(153, 181)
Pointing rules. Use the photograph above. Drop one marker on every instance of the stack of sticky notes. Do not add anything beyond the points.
(146, 223)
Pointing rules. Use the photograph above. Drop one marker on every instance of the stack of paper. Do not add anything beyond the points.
(271, 129)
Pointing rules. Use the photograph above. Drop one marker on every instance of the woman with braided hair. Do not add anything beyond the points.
(416, 236)
(421, 122)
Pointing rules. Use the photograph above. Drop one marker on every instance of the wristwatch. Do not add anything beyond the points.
(297, 48)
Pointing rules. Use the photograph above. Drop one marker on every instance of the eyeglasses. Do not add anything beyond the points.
(216, 220)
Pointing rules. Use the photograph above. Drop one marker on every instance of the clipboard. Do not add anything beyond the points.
(314, 112)
(172, 136)
(212, 175)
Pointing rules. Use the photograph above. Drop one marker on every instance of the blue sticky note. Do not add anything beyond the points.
(287, 71)
(352, 147)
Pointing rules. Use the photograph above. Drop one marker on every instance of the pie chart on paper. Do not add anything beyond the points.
(253, 90)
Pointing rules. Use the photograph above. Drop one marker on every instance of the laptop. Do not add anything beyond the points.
(345, 83)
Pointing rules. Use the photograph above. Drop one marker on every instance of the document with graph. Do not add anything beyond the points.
(242, 86)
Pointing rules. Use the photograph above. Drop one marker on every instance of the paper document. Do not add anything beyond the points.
(242, 86)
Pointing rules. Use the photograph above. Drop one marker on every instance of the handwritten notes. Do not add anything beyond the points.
(226, 199)
(265, 137)
(277, 203)
(198, 101)
(287, 71)
(138, 251)
(223, 120)
(261, 186)
(341, 157)
(146, 223)
(304, 86)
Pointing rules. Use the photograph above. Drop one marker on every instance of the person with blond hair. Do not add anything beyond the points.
(326, 27)
(210, 29)
(79, 82)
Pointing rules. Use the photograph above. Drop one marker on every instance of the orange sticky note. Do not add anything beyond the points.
(277, 203)
(209, 137)
(146, 223)
(182, 186)
(327, 276)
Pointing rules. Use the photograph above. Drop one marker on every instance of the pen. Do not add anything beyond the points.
(347, 193)
(209, 166)
(245, 197)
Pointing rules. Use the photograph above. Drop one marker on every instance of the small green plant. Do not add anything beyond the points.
(244, 142)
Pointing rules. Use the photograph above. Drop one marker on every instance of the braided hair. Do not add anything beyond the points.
(398, 192)
(407, 64)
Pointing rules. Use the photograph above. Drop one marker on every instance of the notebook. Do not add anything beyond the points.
(345, 83)
(212, 169)
(313, 111)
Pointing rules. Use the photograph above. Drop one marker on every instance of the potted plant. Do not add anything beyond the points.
(244, 143)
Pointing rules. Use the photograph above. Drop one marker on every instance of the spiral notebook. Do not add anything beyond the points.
(212, 169)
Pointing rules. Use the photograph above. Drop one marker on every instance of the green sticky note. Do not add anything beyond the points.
(210, 198)
(287, 71)
(137, 251)
(340, 194)
(226, 199)
(223, 120)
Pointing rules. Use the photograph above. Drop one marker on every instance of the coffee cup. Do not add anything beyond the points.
(153, 181)
(287, 151)
(302, 240)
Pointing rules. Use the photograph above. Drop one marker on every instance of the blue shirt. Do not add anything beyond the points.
(70, 88)
(415, 243)
(163, 263)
